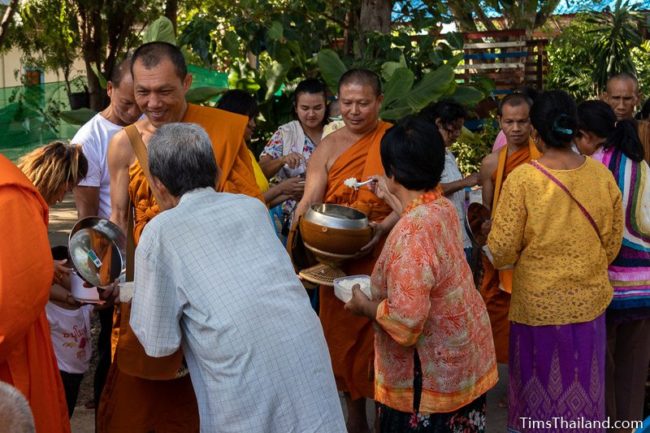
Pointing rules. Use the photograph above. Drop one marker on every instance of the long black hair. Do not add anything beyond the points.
(553, 115)
(598, 118)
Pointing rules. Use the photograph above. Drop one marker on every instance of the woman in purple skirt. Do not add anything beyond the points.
(559, 223)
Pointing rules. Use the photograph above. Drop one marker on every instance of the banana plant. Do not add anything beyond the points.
(402, 95)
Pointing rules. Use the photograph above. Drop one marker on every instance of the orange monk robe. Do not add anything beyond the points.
(350, 338)
(236, 174)
(496, 299)
(131, 404)
(27, 359)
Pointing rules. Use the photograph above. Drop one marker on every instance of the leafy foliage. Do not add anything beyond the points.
(579, 63)
(616, 34)
(402, 95)
(470, 15)
(472, 147)
(417, 68)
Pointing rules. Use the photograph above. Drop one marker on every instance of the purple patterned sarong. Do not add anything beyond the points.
(557, 378)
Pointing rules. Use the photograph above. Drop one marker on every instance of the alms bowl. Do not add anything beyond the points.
(334, 230)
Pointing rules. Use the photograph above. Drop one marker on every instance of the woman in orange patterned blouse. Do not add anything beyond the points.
(434, 354)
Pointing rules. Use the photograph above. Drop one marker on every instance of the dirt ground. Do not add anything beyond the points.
(63, 217)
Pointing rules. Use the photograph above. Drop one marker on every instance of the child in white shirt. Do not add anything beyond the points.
(70, 331)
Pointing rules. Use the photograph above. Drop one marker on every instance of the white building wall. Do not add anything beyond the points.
(10, 62)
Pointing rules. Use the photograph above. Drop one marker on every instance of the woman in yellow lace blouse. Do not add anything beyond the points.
(559, 222)
(434, 353)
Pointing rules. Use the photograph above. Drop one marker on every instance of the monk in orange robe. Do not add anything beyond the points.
(27, 359)
(496, 286)
(352, 151)
(142, 393)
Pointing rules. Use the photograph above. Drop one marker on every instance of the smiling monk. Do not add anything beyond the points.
(352, 151)
(145, 394)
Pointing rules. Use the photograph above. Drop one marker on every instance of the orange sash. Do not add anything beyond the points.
(360, 160)
(505, 166)
(350, 338)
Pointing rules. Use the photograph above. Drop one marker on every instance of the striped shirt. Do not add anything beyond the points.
(629, 273)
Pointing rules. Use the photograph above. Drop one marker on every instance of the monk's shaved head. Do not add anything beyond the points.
(121, 70)
(622, 94)
(624, 76)
(363, 77)
(151, 54)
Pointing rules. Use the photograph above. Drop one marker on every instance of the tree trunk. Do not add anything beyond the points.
(90, 24)
(171, 12)
(7, 18)
(375, 16)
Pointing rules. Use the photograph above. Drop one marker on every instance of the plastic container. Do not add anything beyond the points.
(343, 286)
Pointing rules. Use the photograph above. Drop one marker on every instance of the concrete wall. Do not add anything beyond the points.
(10, 62)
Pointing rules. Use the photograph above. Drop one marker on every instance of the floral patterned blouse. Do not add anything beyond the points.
(274, 149)
(429, 303)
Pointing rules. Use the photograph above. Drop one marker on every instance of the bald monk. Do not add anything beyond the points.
(622, 95)
(352, 151)
(26, 273)
(496, 286)
(144, 394)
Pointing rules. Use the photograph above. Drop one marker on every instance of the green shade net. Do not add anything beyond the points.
(24, 124)
(202, 77)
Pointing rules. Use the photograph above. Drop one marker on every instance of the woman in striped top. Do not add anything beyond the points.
(617, 145)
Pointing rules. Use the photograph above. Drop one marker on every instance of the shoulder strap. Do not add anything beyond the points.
(498, 182)
(140, 151)
(563, 187)
(139, 148)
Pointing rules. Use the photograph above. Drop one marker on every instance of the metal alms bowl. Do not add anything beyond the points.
(333, 232)
(336, 216)
(97, 250)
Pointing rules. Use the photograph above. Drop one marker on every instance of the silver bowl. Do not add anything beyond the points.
(336, 216)
(97, 250)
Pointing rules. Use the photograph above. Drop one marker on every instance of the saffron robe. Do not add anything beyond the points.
(137, 404)
(350, 338)
(27, 359)
(497, 285)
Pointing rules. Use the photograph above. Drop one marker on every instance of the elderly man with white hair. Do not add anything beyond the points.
(15, 414)
(212, 277)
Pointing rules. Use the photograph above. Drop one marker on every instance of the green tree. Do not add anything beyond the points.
(617, 33)
(570, 56)
(516, 14)
(587, 52)
(53, 33)
(7, 19)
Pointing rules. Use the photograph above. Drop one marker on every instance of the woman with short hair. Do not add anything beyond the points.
(449, 116)
(434, 353)
(559, 223)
